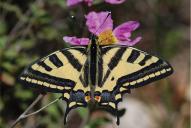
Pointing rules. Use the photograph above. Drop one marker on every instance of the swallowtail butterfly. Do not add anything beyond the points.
(95, 73)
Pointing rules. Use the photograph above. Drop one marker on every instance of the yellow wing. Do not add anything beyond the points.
(125, 68)
(58, 72)
(61, 72)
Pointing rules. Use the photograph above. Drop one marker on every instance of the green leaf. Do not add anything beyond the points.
(26, 43)
(1, 105)
(171, 41)
(8, 66)
(3, 27)
(37, 11)
(22, 62)
(83, 112)
(13, 8)
(60, 3)
(3, 40)
(48, 33)
(97, 2)
(97, 122)
(53, 111)
(10, 54)
(22, 93)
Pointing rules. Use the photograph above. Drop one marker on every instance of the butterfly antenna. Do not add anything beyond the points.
(93, 35)
(109, 13)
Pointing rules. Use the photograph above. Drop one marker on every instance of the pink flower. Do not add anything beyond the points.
(95, 20)
(122, 33)
(90, 2)
(101, 25)
(75, 2)
(114, 1)
(76, 41)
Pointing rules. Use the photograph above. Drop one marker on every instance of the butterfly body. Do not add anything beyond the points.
(95, 73)
(93, 67)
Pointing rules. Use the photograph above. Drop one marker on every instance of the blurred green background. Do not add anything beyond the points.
(31, 29)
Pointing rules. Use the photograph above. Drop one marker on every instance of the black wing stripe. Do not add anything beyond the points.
(104, 49)
(42, 88)
(116, 58)
(47, 78)
(153, 68)
(113, 63)
(151, 80)
(73, 61)
(86, 74)
(146, 58)
(82, 81)
(55, 60)
(44, 65)
(105, 78)
(133, 56)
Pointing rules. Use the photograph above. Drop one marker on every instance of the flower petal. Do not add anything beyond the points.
(76, 41)
(115, 1)
(126, 27)
(130, 42)
(73, 2)
(88, 2)
(123, 31)
(97, 22)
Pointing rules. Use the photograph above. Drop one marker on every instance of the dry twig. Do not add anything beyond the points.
(25, 115)
(40, 96)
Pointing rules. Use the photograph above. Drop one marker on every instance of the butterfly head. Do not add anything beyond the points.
(94, 39)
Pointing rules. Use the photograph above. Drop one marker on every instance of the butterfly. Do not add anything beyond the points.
(93, 73)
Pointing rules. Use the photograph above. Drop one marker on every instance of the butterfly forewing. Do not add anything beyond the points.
(61, 72)
(57, 72)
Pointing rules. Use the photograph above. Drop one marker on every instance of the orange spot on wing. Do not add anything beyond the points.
(97, 98)
(87, 98)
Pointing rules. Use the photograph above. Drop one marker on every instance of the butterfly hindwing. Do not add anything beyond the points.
(61, 72)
